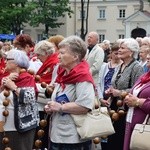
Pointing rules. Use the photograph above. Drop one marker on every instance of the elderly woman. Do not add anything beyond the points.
(123, 79)
(146, 41)
(139, 104)
(70, 96)
(18, 110)
(45, 52)
(144, 51)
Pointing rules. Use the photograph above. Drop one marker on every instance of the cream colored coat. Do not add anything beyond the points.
(95, 60)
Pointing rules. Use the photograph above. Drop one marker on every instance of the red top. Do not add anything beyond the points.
(3, 73)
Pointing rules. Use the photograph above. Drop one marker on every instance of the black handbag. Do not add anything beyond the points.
(26, 115)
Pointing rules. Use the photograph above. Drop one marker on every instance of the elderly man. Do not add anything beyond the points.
(95, 55)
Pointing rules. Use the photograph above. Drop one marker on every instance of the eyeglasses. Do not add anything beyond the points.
(9, 59)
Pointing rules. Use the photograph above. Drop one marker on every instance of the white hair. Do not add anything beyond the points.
(106, 42)
(20, 57)
(133, 45)
(44, 48)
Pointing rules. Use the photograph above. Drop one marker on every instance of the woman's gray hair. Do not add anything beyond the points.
(75, 44)
(44, 48)
(20, 57)
(132, 45)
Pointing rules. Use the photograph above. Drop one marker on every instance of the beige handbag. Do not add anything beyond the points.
(96, 123)
(140, 138)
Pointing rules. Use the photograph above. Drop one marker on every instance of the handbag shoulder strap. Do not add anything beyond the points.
(96, 100)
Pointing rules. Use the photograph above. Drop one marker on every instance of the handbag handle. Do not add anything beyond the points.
(99, 109)
(98, 102)
(146, 119)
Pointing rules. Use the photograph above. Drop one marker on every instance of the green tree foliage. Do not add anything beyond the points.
(47, 13)
(14, 13)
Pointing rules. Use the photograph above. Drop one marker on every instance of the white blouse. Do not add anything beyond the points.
(9, 120)
(136, 91)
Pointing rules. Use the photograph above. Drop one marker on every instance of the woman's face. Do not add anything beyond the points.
(42, 58)
(146, 43)
(10, 64)
(143, 53)
(67, 58)
(6, 46)
(124, 52)
(114, 55)
(148, 61)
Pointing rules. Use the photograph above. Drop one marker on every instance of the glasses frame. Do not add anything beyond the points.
(9, 59)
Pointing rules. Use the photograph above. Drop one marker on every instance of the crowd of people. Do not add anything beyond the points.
(69, 73)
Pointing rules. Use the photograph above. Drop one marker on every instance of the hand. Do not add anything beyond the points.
(105, 102)
(131, 100)
(13, 76)
(47, 110)
(52, 106)
(113, 91)
(108, 91)
(7, 82)
(116, 92)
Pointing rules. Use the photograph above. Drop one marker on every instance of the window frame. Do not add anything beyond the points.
(102, 14)
(121, 36)
(122, 13)
(101, 38)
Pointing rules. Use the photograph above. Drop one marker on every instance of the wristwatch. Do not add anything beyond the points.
(137, 104)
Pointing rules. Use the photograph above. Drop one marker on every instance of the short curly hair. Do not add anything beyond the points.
(22, 40)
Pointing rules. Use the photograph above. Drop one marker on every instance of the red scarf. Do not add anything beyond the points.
(26, 80)
(79, 73)
(46, 69)
(145, 78)
(2, 65)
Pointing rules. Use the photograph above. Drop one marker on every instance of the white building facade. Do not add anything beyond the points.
(112, 19)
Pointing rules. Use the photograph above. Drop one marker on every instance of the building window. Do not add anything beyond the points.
(82, 15)
(39, 37)
(122, 13)
(121, 36)
(101, 38)
(102, 14)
